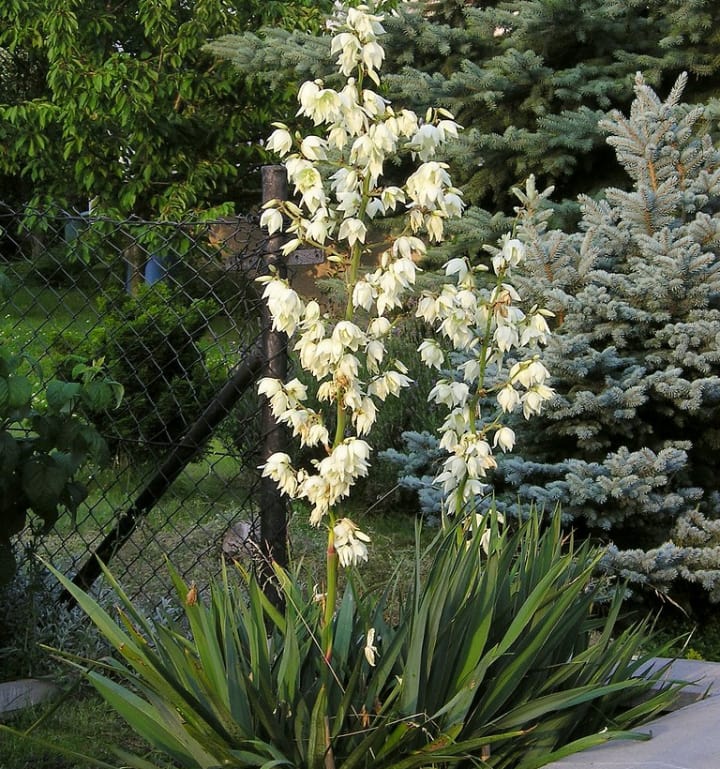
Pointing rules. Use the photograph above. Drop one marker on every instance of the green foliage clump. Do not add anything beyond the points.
(152, 343)
(692, 638)
(30, 616)
(502, 655)
(124, 107)
(45, 439)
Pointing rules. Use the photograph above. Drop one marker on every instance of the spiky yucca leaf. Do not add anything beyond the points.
(502, 652)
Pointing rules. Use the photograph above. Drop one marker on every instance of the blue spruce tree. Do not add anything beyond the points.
(629, 448)
(528, 79)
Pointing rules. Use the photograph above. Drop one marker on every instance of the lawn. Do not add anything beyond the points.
(80, 722)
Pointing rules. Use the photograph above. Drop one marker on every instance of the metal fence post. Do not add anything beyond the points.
(273, 507)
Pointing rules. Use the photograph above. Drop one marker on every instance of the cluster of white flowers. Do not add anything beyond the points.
(362, 132)
(336, 179)
(486, 325)
(350, 542)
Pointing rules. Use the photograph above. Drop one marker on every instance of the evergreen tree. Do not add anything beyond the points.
(529, 80)
(631, 444)
(629, 447)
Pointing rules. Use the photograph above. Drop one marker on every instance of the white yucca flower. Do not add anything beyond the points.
(534, 398)
(279, 469)
(374, 355)
(280, 140)
(504, 438)
(364, 417)
(321, 105)
(363, 295)
(350, 542)
(370, 649)
(431, 354)
(508, 398)
(528, 373)
(349, 49)
(366, 25)
(352, 230)
(389, 383)
(313, 148)
(427, 184)
(286, 307)
(272, 220)
(317, 491)
(350, 336)
(537, 330)
(449, 393)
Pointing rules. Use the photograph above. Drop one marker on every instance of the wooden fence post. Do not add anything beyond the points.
(273, 505)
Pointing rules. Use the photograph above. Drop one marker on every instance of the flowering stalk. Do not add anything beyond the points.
(330, 595)
(486, 327)
(338, 180)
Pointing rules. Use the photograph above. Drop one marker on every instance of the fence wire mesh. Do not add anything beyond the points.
(173, 312)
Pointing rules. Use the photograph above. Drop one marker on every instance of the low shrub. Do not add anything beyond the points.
(151, 342)
(45, 440)
(30, 616)
(499, 657)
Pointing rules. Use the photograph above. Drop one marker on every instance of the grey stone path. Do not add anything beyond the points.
(16, 695)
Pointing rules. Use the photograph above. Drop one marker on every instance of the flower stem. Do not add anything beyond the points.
(330, 599)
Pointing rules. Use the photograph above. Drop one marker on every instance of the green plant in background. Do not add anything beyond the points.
(628, 446)
(119, 103)
(31, 618)
(501, 660)
(152, 344)
(44, 442)
(78, 719)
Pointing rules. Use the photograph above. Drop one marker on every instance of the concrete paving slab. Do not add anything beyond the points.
(688, 738)
(16, 695)
(703, 678)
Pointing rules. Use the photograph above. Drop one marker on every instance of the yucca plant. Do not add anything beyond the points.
(499, 660)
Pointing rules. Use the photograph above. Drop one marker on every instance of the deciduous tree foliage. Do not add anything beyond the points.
(121, 104)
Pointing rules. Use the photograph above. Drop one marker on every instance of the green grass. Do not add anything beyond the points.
(216, 480)
(81, 723)
(392, 546)
(35, 316)
(186, 525)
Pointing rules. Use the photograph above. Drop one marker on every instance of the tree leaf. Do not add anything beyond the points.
(19, 392)
(61, 396)
(43, 482)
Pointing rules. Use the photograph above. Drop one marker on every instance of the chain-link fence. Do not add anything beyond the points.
(173, 313)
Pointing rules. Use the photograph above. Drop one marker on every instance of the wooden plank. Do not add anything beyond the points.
(304, 257)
